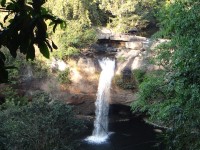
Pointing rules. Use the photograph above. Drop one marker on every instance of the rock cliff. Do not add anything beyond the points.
(132, 54)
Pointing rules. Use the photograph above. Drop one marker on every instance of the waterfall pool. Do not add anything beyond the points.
(133, 134)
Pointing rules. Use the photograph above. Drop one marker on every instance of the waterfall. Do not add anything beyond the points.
(100, 132)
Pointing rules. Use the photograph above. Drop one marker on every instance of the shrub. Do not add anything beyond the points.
(25, 69)
(12, 99)
(40, 125)
(128, 84)
(63, 77)
(139, 75)
(151, 92)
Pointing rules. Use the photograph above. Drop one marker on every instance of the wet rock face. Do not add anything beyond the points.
(83, 89)
(85, 73)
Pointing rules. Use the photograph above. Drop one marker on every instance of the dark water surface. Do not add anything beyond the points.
(132, 134)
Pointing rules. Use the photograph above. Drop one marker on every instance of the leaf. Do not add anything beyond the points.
(6, 17)
(41, 30)
(58, 21)
(3, 2)
(51, 23)
(1, 25)
(24, 42)
(54, 45)
(12, 48)
(24, 47)
(44, 11)
(47, 42)
(12, 6)
(13, 44)
(54, 27)
(63, 25)
(11, 20)
(31, 52)
(44, 49)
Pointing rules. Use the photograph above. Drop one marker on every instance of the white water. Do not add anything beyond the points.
(100, 133)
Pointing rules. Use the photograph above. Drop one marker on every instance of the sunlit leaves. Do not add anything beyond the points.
(128, 14)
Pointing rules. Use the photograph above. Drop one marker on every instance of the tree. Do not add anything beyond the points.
(174, 99)
(86, 12)
(26, 28)
(128, 14)
(81, 18)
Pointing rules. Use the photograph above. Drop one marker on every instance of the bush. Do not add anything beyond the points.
(139, 75)
(63, 77)
(40, 125)
(12, 99)
(128, 84)
(25, 69)
(151, 93)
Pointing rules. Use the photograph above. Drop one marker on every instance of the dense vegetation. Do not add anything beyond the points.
(42, 124)
(170, 97)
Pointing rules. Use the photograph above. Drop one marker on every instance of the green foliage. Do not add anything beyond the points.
(12, 98)
(84, 12)
(176, 103)
(75, 37)
(139, 75)
(130, 82)
(131, 13)
(150, 93)
(38, 68)
(24, 69)
(79, 33)
(19, 63)
(63, 77)
(42, 124)
(126, 84)
(26, 28)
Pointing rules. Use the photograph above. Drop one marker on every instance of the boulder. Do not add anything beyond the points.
(134, 45)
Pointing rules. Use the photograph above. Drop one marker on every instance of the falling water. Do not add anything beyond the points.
(100, 132)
